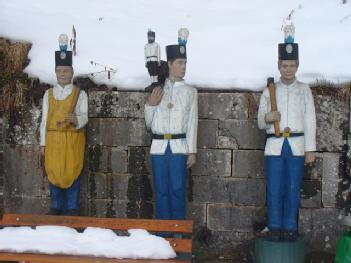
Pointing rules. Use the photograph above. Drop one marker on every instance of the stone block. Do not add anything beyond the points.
(225, 217)
(23, 172)
(118, 132)
(120, 186)
(97, 185)
(248, 164)
(332, 114)
(244, 132)
(250, 192)
(213, 162)
(99, 158)
(139, 160)
(197, 213)
(26, 204)
(223, 105)
(330, 180)
(311, 194)
(119, 161)
(207, 134)
(116, 104)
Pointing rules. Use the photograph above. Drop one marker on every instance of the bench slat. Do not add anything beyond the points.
(175, 226)
(41, 258)
(181, 245)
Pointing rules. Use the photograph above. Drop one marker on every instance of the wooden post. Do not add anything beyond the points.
(74, 103)
(271, 88)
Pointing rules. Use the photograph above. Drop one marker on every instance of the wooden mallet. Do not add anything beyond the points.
(271, 88)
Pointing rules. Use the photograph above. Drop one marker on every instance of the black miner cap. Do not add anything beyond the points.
(150, 33)
(288, 51)
(63, 58)
(175, 51)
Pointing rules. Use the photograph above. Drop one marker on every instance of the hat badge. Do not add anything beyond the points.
(289, 48)
(63, 55)
(182, 49)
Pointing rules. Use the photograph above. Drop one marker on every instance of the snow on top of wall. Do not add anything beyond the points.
(232, 44)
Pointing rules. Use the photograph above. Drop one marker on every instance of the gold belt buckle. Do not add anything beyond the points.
(167, 136)
(286, 132)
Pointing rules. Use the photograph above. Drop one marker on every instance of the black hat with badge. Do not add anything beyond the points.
(175, 51)
(288, 50)
(63, 57)
(178, 51)
(150, 33)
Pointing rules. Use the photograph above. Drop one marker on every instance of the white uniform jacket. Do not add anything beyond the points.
(296, 105)
(180, 118)
(152, 52)
(61, 93)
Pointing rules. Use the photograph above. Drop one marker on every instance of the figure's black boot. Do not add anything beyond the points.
(71, 212)
(290, 236)
(274, 235)
(54, 212)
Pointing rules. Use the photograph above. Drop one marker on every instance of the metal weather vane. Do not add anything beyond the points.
(104, 69)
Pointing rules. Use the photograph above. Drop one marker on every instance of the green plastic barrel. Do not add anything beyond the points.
(280, 252)
(343, 250)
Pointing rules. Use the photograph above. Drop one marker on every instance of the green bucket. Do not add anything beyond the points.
(280, 252)
(343, 250)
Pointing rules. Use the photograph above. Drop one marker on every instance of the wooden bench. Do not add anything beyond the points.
(180, 245)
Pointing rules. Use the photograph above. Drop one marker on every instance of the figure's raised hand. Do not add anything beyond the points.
(272, 117)
(155, 97)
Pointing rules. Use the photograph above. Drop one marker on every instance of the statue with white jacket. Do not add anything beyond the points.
(171, 112)
(152, 53)
(291, 142)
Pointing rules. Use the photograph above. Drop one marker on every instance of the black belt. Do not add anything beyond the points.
(168, 136)
(285, 135)
(152, 57)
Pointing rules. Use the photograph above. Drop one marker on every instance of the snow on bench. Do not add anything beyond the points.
(42, 238)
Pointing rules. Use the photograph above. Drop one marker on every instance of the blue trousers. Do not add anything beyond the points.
(170, 178)
(65, 199)
(284, 178)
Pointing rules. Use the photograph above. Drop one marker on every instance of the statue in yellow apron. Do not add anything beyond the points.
(65, 145)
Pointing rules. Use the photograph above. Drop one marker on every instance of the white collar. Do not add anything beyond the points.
(67, 87)
(175, 83)
(285, 85)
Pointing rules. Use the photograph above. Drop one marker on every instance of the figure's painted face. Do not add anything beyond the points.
(288, 69)
(150, 39)
(177, 68)
(64, 75)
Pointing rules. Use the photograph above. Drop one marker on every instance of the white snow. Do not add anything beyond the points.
(92, 242)
(232, 44)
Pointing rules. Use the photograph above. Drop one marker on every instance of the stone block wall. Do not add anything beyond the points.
(226, 187)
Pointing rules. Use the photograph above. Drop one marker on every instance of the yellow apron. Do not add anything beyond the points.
(64, 150)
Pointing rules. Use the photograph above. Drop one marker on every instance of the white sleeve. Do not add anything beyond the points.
(191, 133)
(263, 110)
(82, 110)
(309, 122)
(158, 53)
(44, 117)
(145, 53)
(149, 115)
